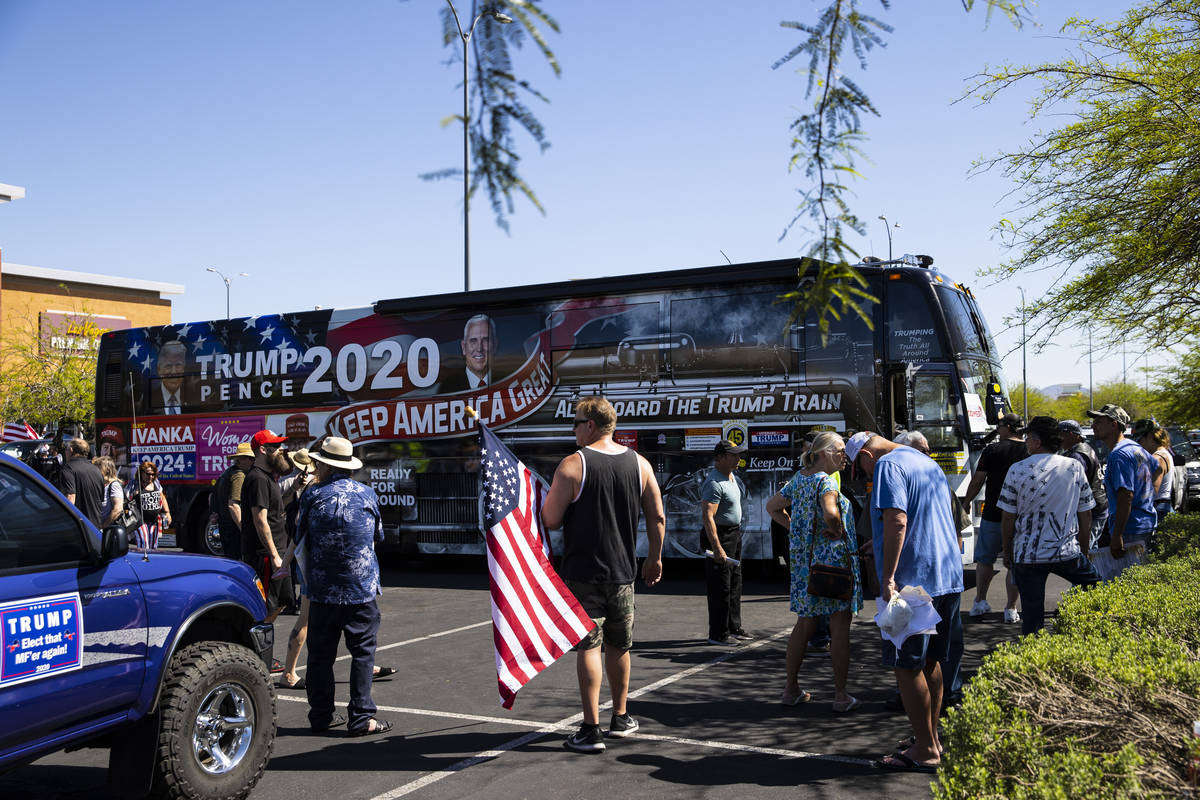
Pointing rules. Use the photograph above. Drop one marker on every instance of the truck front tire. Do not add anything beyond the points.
(217, 723)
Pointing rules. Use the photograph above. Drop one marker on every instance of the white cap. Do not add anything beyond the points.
(855, 444)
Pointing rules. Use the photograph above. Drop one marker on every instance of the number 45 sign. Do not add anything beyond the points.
(736, 431)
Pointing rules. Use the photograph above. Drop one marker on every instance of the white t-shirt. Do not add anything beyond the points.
(1046, 492)
(1168, 480)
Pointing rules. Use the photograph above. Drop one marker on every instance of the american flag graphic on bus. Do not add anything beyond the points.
(535, 618)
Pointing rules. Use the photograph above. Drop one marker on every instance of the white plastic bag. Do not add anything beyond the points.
(1109, 567)
(908, 613)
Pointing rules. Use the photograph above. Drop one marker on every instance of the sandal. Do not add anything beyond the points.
(283, 683)
(790, 699)
(381, 726)
(383, 672)
(898, 762)
(845, 706)
(335, 720)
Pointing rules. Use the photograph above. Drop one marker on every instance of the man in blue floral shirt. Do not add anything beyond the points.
(337, 525)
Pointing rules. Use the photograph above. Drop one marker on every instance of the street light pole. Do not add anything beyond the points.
(466, 40)
(1024, 378)
(887, 228)
(227, 281)
(1090, 403)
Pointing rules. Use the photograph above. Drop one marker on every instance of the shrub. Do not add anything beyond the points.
(1100, 708)
(1179, 535)
(1150, 599)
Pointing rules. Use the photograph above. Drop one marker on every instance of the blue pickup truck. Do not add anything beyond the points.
(160, 657)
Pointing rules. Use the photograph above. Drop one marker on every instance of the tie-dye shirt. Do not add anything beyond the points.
(337, 525)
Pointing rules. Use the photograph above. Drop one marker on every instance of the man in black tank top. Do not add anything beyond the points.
(595, 497)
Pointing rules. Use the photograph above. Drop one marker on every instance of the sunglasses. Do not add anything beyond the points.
(579, 422)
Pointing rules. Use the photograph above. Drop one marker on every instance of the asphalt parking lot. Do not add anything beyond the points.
(712, 725)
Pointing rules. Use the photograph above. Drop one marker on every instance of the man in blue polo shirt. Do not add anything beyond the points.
(1128, 485)
(916, 544)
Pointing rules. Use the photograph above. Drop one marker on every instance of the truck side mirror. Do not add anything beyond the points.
(115, 543)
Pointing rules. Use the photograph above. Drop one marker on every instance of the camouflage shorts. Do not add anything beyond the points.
(610, 605)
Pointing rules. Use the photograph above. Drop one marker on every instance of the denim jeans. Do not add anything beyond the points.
(1031, 584)
(328, 623)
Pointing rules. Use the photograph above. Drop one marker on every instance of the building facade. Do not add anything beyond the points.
(68, 311)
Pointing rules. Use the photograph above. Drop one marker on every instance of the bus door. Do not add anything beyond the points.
(936, 410)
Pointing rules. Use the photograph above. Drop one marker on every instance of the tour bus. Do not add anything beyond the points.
(687, 357)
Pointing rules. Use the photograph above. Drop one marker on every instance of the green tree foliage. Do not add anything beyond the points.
(1129, 396)
(44, 385)
(1178, 390)
(826, 143)
(1108, 195)
(498, 98)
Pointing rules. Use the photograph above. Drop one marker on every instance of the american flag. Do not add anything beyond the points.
(535, 618)
(17, 432)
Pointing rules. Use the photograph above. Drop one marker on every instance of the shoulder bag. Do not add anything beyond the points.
(828, 580)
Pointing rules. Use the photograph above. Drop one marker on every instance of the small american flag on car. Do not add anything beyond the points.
(17, 432)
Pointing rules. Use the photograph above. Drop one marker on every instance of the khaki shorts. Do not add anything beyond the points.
(610, 605)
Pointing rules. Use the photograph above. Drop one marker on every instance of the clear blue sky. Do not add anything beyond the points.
(284, 139)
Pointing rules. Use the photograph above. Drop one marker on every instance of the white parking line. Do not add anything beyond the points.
(414, 641)
(548, 727)
(568, 722)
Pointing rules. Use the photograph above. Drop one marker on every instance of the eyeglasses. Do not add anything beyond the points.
(579, 422)
(271, 448)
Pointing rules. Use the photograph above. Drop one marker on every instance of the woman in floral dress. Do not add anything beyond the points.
(811, 492)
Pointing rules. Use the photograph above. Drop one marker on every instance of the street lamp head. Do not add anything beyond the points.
(503, 19)
(209, 269)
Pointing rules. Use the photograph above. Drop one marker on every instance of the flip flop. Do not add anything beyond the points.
(384, 672)
(299, 684)
(898, 762)
(843, 707)
(381, 726)
(795, 700)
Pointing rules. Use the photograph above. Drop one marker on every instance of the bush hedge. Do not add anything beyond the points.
(1099, 707)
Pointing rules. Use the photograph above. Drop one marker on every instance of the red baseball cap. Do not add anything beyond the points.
(266, 437)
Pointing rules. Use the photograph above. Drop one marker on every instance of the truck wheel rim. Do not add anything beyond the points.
(224, 729)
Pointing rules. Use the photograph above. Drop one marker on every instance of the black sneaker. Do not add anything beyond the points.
(621, 726)
(727, 641)
(743, 634)
(588, 739)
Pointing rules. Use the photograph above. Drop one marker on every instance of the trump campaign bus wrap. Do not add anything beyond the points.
(686, 359)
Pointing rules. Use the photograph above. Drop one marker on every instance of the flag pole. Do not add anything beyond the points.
(478, 495)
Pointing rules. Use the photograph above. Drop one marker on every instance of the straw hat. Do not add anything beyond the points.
(336, 452)
(243, 449)
(303, 460)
